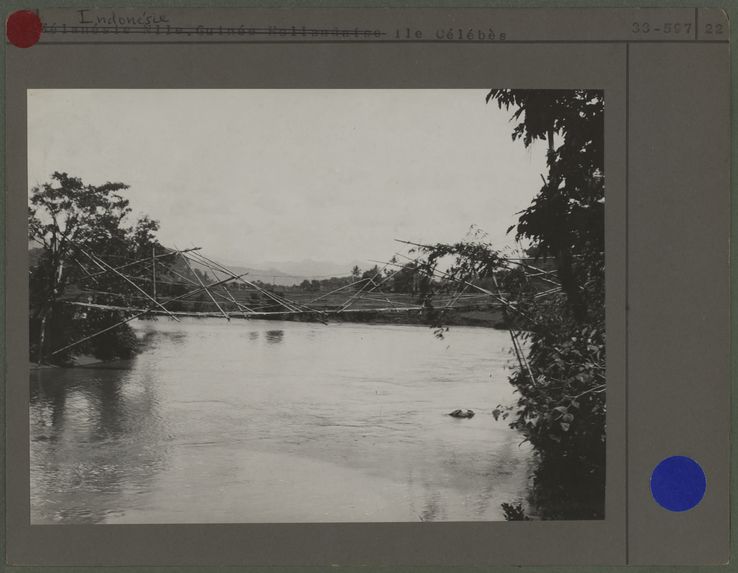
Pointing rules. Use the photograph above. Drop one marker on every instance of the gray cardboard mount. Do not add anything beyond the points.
(667, 247)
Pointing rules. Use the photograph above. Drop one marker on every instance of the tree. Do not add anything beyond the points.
(373, 273)
(404, 280)
(561, 409)
(412, 278)
(566, 218)
(560, 380)
(143, 236)
(70, 220)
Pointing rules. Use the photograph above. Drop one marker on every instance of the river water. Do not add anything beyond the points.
(265, 421)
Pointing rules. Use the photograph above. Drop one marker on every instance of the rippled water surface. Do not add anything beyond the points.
(264, 421)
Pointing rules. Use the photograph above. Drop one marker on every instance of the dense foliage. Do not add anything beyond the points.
(394, 277)
(68, 221)
(560, 377)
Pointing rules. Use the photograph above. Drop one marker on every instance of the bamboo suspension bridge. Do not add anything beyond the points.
(178, 283)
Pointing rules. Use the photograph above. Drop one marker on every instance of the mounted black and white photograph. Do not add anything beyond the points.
(296, 305)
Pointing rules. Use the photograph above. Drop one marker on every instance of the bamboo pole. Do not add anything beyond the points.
(356, 294)
(246, 314)
(254, 313)
(452, 301)
(541, 271)
(547, 292)
(484, 290)
(122, 295)
(376, 285)
(241, 306)
(334, 291)
(84, 270)
(145, 260)
(518, 349)
(441, 274)
(122, 322)
(207, 290)
(504, 259)
(103, 264)
(153, 271)
(230, 297)
(279, 300)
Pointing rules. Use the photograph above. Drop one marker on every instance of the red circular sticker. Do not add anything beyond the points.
(23, 28)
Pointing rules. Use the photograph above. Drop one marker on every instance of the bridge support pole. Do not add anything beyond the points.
(153, 271)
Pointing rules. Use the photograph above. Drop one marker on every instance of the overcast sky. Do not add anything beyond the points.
(286, 175)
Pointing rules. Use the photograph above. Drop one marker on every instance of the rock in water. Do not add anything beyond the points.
(462, 414)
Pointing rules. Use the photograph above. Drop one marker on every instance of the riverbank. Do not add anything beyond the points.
(89, 361)
(490, 318)
(485, 318)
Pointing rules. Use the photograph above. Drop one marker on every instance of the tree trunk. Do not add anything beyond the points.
(564, 262)
(569, 285)
(48, 312)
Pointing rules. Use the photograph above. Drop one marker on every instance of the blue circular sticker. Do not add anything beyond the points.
(678, 483)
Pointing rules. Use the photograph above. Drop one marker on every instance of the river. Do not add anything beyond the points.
(266, 421)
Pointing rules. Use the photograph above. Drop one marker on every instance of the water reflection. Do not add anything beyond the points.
(87, 429)
(348, 424)
(274, 336)
(48, 398)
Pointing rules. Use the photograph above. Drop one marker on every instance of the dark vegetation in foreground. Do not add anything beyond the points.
(561, 382)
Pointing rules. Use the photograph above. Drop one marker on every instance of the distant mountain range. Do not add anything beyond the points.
(279, 273)
(292, 272)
